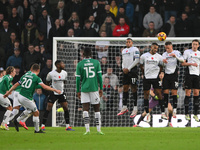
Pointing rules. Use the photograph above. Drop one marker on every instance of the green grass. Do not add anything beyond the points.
(115, 138)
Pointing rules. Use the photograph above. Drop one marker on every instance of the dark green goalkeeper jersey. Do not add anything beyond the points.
(88, 71)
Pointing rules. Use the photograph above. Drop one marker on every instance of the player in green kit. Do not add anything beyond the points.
(28, 83)
(5, 85)
(88, 71)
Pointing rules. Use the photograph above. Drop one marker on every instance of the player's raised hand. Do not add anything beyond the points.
(58, 91)
(125, 70)
(100, 93)
(173, 55)
(79, 95)
(165, 61)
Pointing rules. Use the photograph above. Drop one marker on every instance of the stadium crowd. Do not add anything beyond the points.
(27, 28)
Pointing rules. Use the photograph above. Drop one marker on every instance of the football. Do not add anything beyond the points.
(161, 36)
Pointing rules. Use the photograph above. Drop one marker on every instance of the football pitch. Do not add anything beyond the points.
(115, 138)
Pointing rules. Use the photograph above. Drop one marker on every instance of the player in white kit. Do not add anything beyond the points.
(57, 77)
(192, 61)
(151, 64)
(170, 82)
(130, 59)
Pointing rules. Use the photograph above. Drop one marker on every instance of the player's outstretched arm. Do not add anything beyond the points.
(46, 87)
(11, 89)
(189, 64)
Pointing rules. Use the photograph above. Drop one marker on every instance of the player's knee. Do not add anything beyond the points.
(9, 108)
(36, 113)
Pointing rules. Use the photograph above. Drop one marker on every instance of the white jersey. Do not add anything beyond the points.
(129, 55)
(57, 80)
(171, 66)
(192, 57)
(151, 64)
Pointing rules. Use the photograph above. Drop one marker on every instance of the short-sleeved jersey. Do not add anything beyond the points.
(29, 82)
(57, 80)
(172, 64)
(5, 83)
(88, 71)
(129, 55)
(192, 57)
(151, 64)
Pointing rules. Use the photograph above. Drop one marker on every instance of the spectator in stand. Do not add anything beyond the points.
(70, 33)
(104, 64)
(44, 54)
(31, 17)
(108, 93)
(152, 16)
(10, 45)
(3, 5)
(88, 31)
(44, 23)
(39, 99)
(121, 13)
(11, 4)
(18, 74)
(30, 57)
(34, 4)
(102, 46)
(42, 41)
(70, 22)
(25, 10)
(29, 34)
(55, 31)
(10, 52)
(108, 26)
(195, 8)
(151, 31)
(113, 8)
(1, 19)
(114, 81)
(60, 12)
(5, 33)
(138, 15)
(129, 10)
(196, 25)
(95, 11)
(43, 5)
(94, 25)
(117, 66)
(78, 32)
(158, 5)
(188, 11)
(16, 22)
(171, 8)
(46, 70)
(168, 27)
(106, 14)
(122, 29)
(183, 26)
(15, 59)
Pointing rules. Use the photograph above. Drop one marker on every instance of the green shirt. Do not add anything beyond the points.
(89, 72)
(29, 82)
(5, 83)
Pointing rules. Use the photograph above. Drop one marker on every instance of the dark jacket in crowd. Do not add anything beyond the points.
(183, 28)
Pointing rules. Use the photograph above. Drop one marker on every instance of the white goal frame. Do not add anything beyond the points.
(82, 39)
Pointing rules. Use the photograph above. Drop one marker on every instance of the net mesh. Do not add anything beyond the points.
(108, 52)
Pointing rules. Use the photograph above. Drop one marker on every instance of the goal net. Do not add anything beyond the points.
(108, 52)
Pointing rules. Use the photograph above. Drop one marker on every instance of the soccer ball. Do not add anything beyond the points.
(161, 36)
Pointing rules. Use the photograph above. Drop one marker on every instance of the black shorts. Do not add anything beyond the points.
(148, 82)
(130, 78)
(170, 81)
(60, 98)
(191, 82)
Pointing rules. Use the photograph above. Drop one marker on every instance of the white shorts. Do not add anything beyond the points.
(27, 103)
(5, 102)
(15, 99)
(90, 97)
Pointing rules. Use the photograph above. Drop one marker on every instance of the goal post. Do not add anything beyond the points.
(68, 49)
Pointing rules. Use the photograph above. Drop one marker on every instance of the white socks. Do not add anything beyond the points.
(98, 120)
(7, 116)
(86, 120)
(36, 122)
